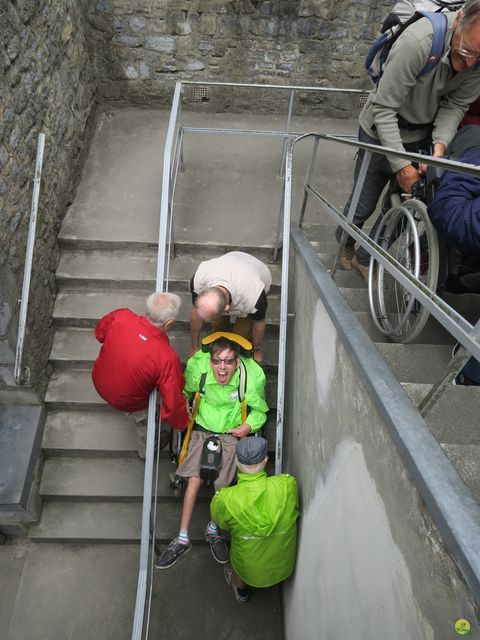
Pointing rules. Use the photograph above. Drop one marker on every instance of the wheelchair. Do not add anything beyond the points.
(405, 232)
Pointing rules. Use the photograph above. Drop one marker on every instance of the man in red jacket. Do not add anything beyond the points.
(135, 358)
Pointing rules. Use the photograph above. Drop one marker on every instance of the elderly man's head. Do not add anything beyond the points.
(212, 303)
(465, 46)
(162, 309)
(252, 455)
(223, 359)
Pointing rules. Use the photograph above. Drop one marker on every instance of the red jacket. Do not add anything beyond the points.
(135, 358)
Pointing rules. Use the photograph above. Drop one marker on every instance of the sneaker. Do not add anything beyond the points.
(361, 269)
(346, 256)
(241, 595)
(218, 546)
(172, 552)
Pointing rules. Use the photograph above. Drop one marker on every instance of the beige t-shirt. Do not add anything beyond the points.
(244, 276)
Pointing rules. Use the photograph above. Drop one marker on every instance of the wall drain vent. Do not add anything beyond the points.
(360, 101)
(200, 94)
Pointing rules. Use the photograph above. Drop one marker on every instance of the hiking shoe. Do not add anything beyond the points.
(218, 546)
(346, 256)
(172, 552)
(361, 269)
(241, 595)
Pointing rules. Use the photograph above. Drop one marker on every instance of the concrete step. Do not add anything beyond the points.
(357, 298)
(85, 308)
(121, 269)
(77, 346)
(101, 433)
(465, 458)
(21, 429)
(443, 417)
(433, 332)
(73, 388)
(417, 363)
(105, 479)
(349, 279)
(92, 522)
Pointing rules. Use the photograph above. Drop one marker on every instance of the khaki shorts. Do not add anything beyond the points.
(191, 465)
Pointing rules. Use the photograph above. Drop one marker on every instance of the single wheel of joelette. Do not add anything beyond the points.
(406, 233)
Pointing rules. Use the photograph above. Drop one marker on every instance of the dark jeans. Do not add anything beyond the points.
(378, 174)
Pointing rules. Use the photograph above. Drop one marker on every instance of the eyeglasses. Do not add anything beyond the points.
(224, 360)
(466, 53)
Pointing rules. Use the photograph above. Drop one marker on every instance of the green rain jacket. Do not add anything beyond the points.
(260, 512)
(220, 409)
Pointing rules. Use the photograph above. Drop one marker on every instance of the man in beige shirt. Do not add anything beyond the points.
(230, 292)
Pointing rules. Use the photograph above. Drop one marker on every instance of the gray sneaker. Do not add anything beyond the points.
(218, 546)
(241, 595)
(172, 552)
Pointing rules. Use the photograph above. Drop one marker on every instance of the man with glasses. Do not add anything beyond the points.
(411, 111)
(223, 378)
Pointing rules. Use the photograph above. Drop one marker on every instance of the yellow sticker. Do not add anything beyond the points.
(462, 627)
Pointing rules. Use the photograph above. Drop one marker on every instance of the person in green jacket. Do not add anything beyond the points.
(261, 513)
(217, 374)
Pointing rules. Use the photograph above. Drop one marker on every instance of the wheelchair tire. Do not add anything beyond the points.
(407, 234)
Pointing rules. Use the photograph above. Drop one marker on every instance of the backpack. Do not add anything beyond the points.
(399, 19)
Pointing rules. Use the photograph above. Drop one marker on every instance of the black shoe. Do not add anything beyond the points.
(241, 595)
(172, 552)
(218, 546)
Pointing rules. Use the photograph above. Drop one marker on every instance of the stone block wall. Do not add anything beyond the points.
(144, 46)
(47, 83)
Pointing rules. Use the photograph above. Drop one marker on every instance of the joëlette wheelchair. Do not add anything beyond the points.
(405, 232)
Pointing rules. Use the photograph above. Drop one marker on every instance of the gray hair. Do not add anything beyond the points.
(217, 297)
(251, 468)
(470, 13)
(162, 307)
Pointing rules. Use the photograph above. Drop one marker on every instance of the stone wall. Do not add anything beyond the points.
(47, 83)
(143, 47)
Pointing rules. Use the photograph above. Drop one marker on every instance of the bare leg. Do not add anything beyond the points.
(194, 484)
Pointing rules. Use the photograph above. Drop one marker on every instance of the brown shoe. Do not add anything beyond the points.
(346, 256)
(361, 269)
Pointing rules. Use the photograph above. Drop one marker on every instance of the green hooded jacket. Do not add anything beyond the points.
(261, 513)
(220, 409)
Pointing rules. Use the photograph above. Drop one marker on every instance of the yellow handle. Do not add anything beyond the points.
(186, 441)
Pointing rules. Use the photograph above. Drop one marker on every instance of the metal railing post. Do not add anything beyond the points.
(19, 375)
(287, 131)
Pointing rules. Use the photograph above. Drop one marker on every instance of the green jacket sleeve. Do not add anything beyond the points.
(255, 396)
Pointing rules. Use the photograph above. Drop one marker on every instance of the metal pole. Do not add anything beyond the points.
(287, 131)
(279, 226)
(353, 206)
(282, 341)
(18, 376)
(307, 182)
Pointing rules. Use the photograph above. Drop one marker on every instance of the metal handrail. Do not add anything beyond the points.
(450, 503)
(173, 159)
(464, 332)
(165, 218)
(21, 376)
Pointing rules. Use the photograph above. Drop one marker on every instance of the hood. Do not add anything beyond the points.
(263, 503)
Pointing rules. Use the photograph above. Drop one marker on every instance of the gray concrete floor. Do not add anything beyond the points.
(231, 184)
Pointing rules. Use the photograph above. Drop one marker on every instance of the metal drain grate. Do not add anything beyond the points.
(360, 101)
(200, 94)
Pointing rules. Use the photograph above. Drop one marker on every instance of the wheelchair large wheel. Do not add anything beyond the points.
(407, 234)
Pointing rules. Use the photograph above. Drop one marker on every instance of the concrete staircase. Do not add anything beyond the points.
(92, 483)
(454, 420)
